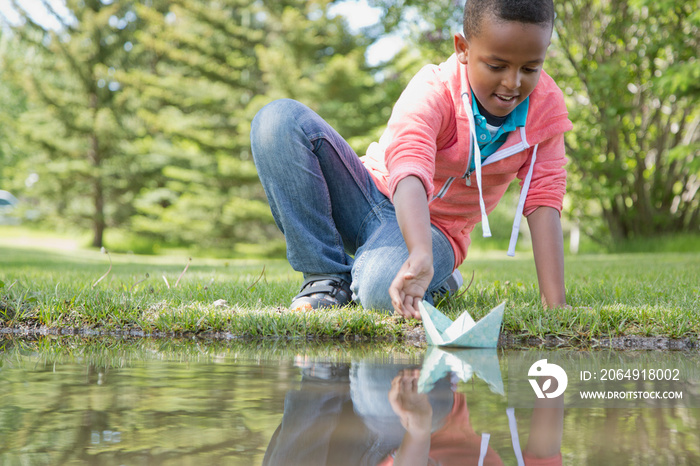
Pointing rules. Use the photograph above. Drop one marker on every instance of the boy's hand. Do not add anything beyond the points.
(410, 284)
(412, 281)
(416, 415)
(412, 408)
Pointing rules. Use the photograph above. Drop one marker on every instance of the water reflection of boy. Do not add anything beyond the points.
(456, 442)
(366, 414)
(341, 416)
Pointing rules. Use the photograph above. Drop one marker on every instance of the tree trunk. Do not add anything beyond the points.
(98, 219)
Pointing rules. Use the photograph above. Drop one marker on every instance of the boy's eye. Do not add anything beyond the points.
(530, 70)
(494, 67)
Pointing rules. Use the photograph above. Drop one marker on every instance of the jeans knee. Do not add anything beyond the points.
(272, 124)
(371, 289)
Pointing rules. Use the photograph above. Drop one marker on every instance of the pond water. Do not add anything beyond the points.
(152, 402)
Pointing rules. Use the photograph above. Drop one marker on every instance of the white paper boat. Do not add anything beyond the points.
(464, 363)
(463, 332)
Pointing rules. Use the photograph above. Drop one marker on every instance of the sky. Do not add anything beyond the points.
(358, 13)
(35, 9)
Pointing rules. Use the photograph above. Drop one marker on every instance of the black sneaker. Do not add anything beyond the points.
(322, 291)
(453, 283)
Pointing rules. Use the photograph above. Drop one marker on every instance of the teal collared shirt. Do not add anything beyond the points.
(488, 143)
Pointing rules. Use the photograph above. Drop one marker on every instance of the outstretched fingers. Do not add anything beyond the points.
(406, 292)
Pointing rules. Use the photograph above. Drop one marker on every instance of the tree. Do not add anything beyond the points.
(13, 105)
(201, 75)
(139, 112)
(213, 65)
(313, 58)
(78, 114)
(631, 70)
(430, 26)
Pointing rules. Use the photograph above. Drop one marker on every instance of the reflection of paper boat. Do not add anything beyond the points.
(464, 363)
(463, 332)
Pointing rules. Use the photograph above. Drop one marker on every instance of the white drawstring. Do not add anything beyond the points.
(476, 153)
(513, 425)
(521, 205)
(484, 448)
(514, 438)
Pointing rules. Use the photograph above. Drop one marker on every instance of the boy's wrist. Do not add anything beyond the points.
(421, 257)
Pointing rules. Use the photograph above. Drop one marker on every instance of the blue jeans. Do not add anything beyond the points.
(334, 219)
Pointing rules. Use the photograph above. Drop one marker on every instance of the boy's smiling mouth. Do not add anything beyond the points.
(506, 98)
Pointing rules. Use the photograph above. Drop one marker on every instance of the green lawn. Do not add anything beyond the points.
(54, 283)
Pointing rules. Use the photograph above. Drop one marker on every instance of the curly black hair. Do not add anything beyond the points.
(523, 11)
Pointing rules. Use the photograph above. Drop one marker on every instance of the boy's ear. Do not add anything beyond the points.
(461, 48)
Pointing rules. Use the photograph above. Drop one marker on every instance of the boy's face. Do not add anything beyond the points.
(504, 61)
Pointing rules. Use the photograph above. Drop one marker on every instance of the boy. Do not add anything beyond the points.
(458, 135)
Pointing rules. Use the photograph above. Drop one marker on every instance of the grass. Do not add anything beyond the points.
(116, 352)
(54, 284)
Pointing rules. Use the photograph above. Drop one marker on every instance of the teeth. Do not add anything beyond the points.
(502, 97)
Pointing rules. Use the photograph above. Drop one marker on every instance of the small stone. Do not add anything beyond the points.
(220, 303)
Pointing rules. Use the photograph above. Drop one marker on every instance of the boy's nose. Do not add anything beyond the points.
(511, 80)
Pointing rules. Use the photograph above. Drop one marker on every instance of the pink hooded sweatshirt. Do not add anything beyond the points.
(429, 136)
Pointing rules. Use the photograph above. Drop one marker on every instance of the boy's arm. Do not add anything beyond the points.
(546, 429)
(414, 276)
(416, 416)
(548, 249)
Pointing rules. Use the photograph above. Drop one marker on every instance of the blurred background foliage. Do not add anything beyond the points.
(130, 118)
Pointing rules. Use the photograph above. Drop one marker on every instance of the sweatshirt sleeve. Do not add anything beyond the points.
(414, 128)
(548, 184)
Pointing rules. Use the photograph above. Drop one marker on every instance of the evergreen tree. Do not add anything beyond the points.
(314, 58)
(201, 76)
(213, 66)
(78, 114)
(138, 113)
(13, 105)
